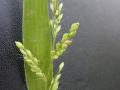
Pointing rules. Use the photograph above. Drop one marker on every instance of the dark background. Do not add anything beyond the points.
(93, 60)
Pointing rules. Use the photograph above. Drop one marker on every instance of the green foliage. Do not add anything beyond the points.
(37, 42)
(37, 39)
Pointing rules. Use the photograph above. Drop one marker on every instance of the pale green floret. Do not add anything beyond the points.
(54, 2)
(60, 7)
(61, 66)
(57, 13)
(56, 82)
(74, 27)
(19, 45)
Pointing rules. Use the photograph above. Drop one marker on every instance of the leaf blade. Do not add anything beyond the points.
(36, 38)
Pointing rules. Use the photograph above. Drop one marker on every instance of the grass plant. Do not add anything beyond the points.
(40, 48)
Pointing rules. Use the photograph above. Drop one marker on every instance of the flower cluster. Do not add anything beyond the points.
(59, 47)
(55, 81)
(56, 18)
(65, 42)
(31, 61)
